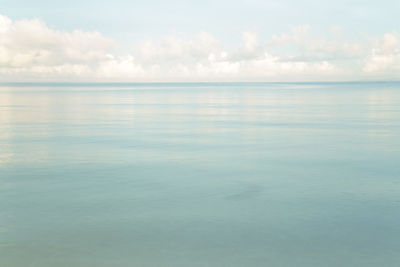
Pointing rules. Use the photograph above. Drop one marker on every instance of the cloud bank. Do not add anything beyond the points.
(32, 51)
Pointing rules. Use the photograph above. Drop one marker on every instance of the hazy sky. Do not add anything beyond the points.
(199, 40)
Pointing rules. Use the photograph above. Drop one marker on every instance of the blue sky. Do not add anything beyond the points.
(133, 24)
(130, 20)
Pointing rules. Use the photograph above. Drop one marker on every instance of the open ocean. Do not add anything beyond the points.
(207, 174)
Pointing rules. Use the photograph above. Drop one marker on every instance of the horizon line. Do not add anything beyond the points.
(61, 83)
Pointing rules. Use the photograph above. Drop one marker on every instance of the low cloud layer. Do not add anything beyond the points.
(31, 51)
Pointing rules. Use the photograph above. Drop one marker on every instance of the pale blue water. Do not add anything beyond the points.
(200, 175)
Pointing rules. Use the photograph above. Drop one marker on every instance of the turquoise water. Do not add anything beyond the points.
(268, 174)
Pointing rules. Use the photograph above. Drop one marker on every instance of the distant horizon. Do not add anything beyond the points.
(61, 83)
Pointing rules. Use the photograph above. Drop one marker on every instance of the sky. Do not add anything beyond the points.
(128, 41)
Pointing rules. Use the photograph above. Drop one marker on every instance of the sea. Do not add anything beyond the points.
(200, 174)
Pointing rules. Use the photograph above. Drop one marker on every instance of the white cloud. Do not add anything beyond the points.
(176, 49)
(119, 67)
(310, 48)
(28, 43)
(30, 50)
(384, 55)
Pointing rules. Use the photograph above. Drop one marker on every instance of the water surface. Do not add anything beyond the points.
(143, 175)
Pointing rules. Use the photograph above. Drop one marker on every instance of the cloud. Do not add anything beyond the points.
(29, 48)
(384, 55)
(176, 49)
(29, 43)
(30, 51)
(310, 48)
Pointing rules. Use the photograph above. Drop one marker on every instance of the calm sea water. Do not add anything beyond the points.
(124, 175)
